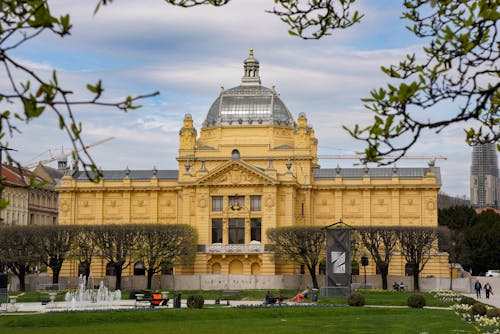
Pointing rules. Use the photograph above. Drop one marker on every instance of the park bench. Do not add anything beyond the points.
(159, 299)
(154, 300)
(228, 295)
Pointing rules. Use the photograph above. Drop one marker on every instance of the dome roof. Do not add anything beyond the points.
(248, 104)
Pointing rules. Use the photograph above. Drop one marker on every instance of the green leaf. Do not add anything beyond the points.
(92, 89)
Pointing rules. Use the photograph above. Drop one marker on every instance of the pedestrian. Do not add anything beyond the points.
(478, 287)
(298, 298)
(269, 298)
(488, 290)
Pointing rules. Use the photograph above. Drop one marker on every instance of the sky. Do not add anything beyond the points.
(139, 47)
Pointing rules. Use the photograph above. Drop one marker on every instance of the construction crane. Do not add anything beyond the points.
(432, 158)
(65, 155)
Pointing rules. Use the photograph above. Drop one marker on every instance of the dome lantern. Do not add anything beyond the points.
(251, 71)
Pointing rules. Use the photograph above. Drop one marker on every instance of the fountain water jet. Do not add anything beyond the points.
(89, 299)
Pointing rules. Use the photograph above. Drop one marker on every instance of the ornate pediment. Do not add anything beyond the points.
(236, 172)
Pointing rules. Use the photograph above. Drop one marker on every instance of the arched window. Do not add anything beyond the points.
(216, 268)
(322, 269)
(139, 269)
(110, 269)
(236, 267)
(409, 269)
(81, 269)
(235, 154)
(167, 269)
(255, 269)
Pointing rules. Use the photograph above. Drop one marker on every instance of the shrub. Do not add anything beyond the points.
(493, 312)
(195, 301)
(416, 300)
(478, 309)
(467, 300)
(356, 299)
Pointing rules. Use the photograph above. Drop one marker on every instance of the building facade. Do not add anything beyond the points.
(251, 167)
(31, 199)
(484, 182)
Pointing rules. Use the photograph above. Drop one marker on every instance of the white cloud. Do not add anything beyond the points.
(187, 54)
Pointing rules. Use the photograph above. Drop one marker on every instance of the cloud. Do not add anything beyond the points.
(188, 54)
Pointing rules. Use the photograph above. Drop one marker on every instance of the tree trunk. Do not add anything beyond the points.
(22, 278)
(150, 278)
(55, 263)
(86, 266)
(312, 272)
(416, 286)
(118, 272)
(55, 274)
(384, 272)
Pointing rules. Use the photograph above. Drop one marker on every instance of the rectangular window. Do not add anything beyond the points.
(255, 229)
(236, 202)
(255, 203)
(216, 203)
(236, 231)
(216, 231)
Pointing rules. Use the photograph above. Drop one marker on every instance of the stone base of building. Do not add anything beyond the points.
(242, 282)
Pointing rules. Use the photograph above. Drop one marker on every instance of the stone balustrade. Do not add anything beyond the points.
(231, 248)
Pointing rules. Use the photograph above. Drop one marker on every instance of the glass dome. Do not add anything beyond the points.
(248, 104)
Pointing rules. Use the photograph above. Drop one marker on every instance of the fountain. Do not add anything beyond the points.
(91, 299)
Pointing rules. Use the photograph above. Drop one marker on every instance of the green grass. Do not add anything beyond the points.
(217, 320)
(387, 298)
(373, 297)
(35, 296)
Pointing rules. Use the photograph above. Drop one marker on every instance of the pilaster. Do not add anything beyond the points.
(99, 201)
(366, 207)
(395, 207)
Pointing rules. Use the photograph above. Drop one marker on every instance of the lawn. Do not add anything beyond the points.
(338, 319)
(388, 298)
(373, 297)
(234, 320)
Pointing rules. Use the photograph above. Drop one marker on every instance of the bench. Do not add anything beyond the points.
(156, 299)
(159, 299)
(228, 295)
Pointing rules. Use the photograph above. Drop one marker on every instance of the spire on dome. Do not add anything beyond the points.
(251, 71)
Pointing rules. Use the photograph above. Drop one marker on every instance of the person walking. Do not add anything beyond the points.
(478, 287)
(488, 290)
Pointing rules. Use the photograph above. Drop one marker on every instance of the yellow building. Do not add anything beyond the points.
(251, 167)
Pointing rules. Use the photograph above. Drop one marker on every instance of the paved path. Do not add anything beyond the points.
(494, 300)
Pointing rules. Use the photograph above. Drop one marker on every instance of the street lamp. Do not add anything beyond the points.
(452, 263)
(364, 263)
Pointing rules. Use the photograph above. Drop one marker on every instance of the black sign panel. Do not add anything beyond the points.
(338, 257)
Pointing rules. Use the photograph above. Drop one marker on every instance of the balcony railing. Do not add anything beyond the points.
(232, 249)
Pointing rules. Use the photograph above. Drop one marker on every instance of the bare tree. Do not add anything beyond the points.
(303, 245)
(84, 246)
(116, 244)
(161, 244)
(17, 249)
(54, 243)
(381, 242)
(417, 246)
